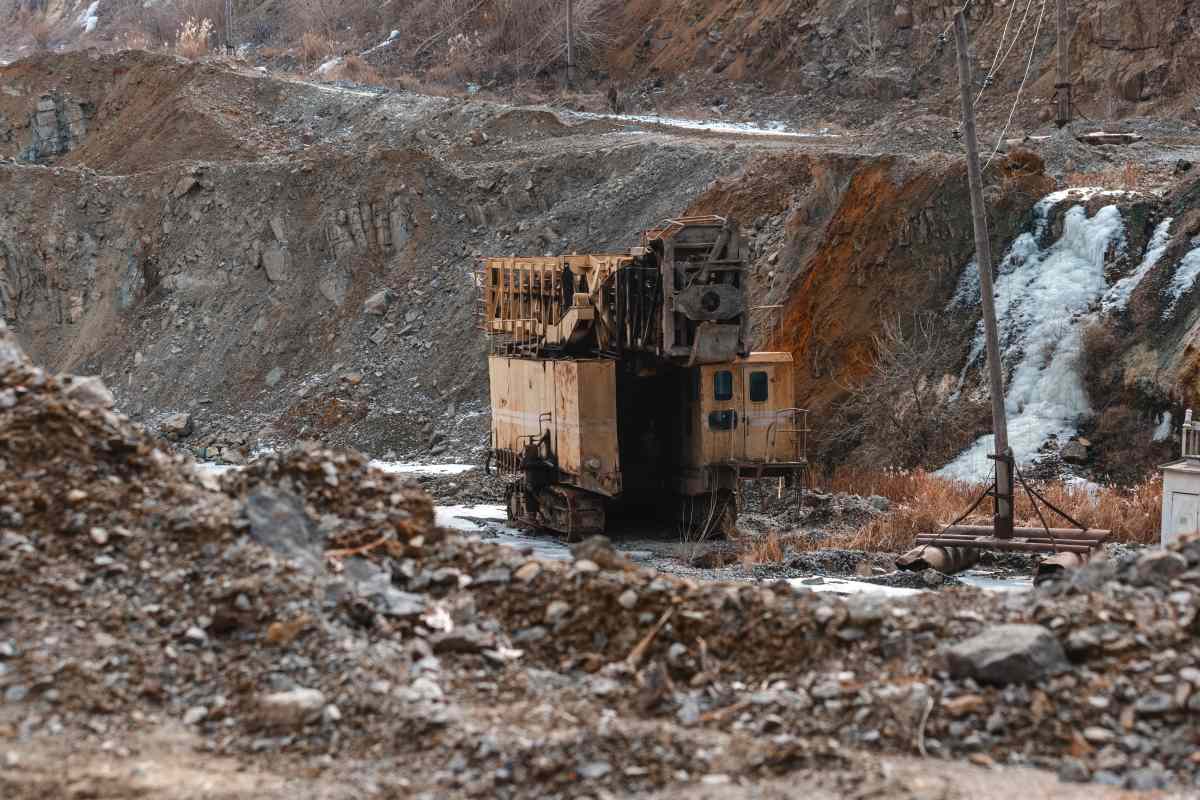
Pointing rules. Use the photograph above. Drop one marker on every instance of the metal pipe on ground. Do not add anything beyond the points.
(1049, 541)
(1054, 566)
(1006, 545)
(1025, 532)
(946, 560)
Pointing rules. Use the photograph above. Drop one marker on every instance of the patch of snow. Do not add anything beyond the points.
(1163, 431)
(460, 518)
(991, 582)
(1077, 485)
(88, 19)
(1185, 277)
(966, 294)
(1042, 298)
(492, 518)
(325, 68)
(393, 36)
(1118, 294)
(839, 586)
(407, 468)
(212, 468)
(744, 128)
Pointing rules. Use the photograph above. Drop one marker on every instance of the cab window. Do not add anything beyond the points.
(759, 387)
(722, 385)
(722, 420)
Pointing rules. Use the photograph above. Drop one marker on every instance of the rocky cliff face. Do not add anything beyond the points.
(1129, 57)
(206, 239)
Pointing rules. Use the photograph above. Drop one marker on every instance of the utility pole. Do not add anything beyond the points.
(1062, 88)
(1003, 519)
(229, 25)
(570, 42)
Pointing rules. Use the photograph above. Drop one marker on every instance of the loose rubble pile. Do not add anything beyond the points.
(306, 613)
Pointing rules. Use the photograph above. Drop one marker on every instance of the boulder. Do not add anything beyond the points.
(176, 426)
(11, 354)
(277, 520)
(1159, 566)
(291, 709)
(89, 390)
(379, 303)
(1074, 453)
(1007, 654)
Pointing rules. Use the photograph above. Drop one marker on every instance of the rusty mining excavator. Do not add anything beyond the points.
(623, 383)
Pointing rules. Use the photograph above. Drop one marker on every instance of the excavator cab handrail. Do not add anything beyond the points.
(800, 445)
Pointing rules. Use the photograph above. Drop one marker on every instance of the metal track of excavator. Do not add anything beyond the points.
(575, 513)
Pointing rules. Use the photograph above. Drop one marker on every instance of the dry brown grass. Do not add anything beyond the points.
(314, 48)
(354, 69)
(765, 549)
(1131, 176)
(923, 503)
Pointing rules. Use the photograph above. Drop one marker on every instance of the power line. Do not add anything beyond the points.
(992, 72)
(950, 24)
(1021, 88)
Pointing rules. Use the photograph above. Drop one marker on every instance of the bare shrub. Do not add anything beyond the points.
(331, 18)
(865, 35)
(1099, 348)
(192, 39)
(763, 549)
(506, 38)
(314, 48)
(923, 503)
(905, 413)
(137, 40)
(1130, 176)
(354, 69)
(40, 31)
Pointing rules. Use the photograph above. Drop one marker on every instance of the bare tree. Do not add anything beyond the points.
(907, 411)
(866, 38)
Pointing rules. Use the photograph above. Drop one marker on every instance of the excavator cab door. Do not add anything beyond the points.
(721, 390)
(758, 395)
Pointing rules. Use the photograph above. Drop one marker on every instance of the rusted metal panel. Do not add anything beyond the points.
(586, 423)
(574, 401)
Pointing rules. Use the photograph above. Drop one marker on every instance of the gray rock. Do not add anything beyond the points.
(879, 503)
(277, 520)
(1159, 566)
(1074, 453)
(290, 709)
(177, 426)
(865, 609)
(498, 575)
(11, 354)
(557, 610)
(932, 578)
(379, 302)
(195, 715)
(1154, 703)
(1072, 770)
(89, 390)
(274, 377)
(462, 640)
(1008, 654)
(1146, 779)
(628, 599)
(275, 261)
(594, 770)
